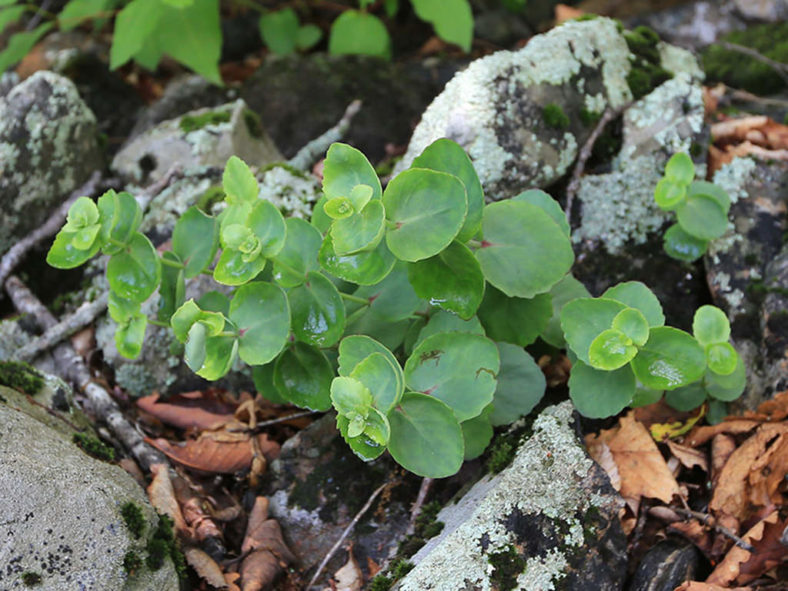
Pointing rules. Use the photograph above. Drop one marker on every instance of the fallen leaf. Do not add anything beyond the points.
(349, 577)
(665, 422)
(722, 446)
(601, 453)
(696, 533)
(162, 497)
(696, 586)
(688, 456)
(564, 13)
(195, 516)
(205, 567)
(231, 580)
(200, 410)
(267, 552)
(701, 435)
(773, 410)
(217, 452)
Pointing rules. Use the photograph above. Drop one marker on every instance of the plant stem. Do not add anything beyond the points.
(351, 318)
(356, 299)
(228, 333)
(156, 322)
(474, 244)
(116, 242)
(174, 264)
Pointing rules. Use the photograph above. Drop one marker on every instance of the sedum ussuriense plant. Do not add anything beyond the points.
(407, 309)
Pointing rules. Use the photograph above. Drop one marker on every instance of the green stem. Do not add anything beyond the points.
(174, 264)
(156, 322)
(351, 318)
(228, 333)
(356, 299)
(116, 242)
(474, 244)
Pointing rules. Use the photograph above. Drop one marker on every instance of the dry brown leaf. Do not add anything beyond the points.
(688, 456)
(719, 158)
(696, 533)
(697, 586)
(349, 577)
(195, 516)
(670, 419)
(217, 452)
(773, 410)
(268, 553)
(722, 446)
(601, 453)
(232, 581)
(768, 472)
(737, 129)
(162, 497)
(200, 410)
(641, 466)
(700, 435)
(205, 567)
(565, 13)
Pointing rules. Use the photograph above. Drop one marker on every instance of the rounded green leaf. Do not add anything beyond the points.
(238, 182)
(514, 320)
(711, 190)
(721, 358)
(261, 313)
(681, 246)
(427, 209)
(317, 310)
(231, 269)
(263, 377)
(359, 33)
(349, 396)
(524, 251)
(393, 299)
(452, 19)
(633, 324)
(320, 219)
(171, 289)
(711, 325)
(458, 368)
(344, 168)
(390, 333)
(367, 267)
(63, 254)
(716, 412)
(279, 29)
(299, 253)
(598, 394)
(669, 194)
(121, 215)
(382, 378)
(194, 351)
(130, 335)
(307, 36)
(671, 358)
(549, 205)
(83, 213)
(220, 353)
(338, 208)
(426, 438)
(686, 398)
(185, 316)
(583, 319)
(134, 273)
(355, 348)
(564, 291)
(610, 350)
(367, 445)
(302, 376)
(635, 294)
(645, 396)
(268, 225)
(445, 155)
(195, 240)
(451, 280)
(729, 387)
(680, 169)
(360, 231)
(521, 385)
(702, 217)
(360, 196)
(442, 321)
(477, 434)
(120, 309)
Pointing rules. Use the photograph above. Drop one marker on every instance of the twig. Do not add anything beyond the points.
(307, 155)
(73, 368)
(260, 427)
(415, 511)
(743, 95)
(83, 316)
(585, 154)
(345, 534)
(17, 252)
(781, 69)
(152, 191)
(709, 521)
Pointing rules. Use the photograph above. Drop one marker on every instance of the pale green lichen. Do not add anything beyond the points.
(677, 60)
(734, 176)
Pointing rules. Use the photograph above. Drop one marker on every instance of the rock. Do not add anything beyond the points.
(205, 137)
(746, 271)
(666, 566)
(763, 10)
(48, 148)
(499, 108)
(61, 514)
(300, 97)
(692, 24)
(549, 520)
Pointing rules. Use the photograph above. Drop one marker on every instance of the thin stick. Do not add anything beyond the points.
(781, 69)
(18, 251)
(709, 521)
(83, 316)
(307, 155)
(259, 427)
(345, 533)
(418, 504)
(152, 191)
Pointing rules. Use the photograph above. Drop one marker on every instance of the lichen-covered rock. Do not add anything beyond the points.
(499, 108)
(62, 514)
(692, 24)
(48, 148)
(548, 521)
(205, 137)
(764, 10)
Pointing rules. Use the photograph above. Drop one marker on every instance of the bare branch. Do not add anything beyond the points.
(307, 155)
(781, 69)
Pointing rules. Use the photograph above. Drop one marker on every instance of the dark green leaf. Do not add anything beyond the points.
(514, 320)
(360, 231)
(344, 168)
(564, 291)
(547, 204)
(521, 385)
(172, 289)
(367, 267)
(598, 394)
(263, 376)
(195, 240)
(279, 30)
(726, 388)
(680, 245)
(702, 217)
(302, 376)
(261, 313)
(477, 434)
(361, 33)
(135, 272)
(299, 254)
(584, 319)
(686, 398)
(317, 310)
(442, 321)
(393, 298)
(635, 294)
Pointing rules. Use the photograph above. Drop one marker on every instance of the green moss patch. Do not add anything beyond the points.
(131, 562)
(189, 123)
(555, 117)
(20, 376)
(134, 519)
(507, 566)
(94, 447)
(646, 73)
(31, 579)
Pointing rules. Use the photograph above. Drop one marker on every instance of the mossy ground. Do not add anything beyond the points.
(189, 123)
(646, 73)
(20, 376)
(94, 447)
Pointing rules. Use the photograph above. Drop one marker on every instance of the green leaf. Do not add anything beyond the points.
(477, 434)
(268, 225)
(77, 11)
(671, 358)
(134, 24)
(238, 182)
(427, 209)
(521, 385)
(360, 231)
(669, 195)
(83, 213)
(10, 15)
(355, 348)
(261, 313)
(610, 350)
(564, 291)
(721, 358)
(726, 388)
(710, 325)
(20, 44)
(548, 205)
(120, 309)
(633, 324)
(63, 254)
(514, 320)
(458, 368)
(598, 394)
(195, 350)
(584, 319)
(680, 169)
(393, 299)
(308, 36)
(263, 376)
(391, 334)
(451, 280)
(220, 353)
(172, 289)
(702, 217)
(130, 335)
(635, 294)
(121, 216)
(710, 190)
(320, 219)
(452, 19)
(302, 376)
(344, 168)
(366, 446)
(445, 155)
(339, 208)
(426, 438)
(367, 267)
(188, 314)
(350, 396)
(682, 246)
(317, 310)
(645, 396)
(231, 269)
(686, 398)
(195, 240)
(135, 272)
(717, 411)
(360, 196)
(214, 301)
(382, 378)
(443, 321)
(524, 251)
(279, 30)
(359, 33)
(299, 253)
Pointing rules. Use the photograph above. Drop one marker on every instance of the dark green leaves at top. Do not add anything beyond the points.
(524, 251)
(451, 280)
(359, 33)
(428, 209)
(636, 295)
(344, 168)
(680, 169)
(445, 155)
(299, 253)
(584, 319)
(195, 239)
(710, 325)
(318, 311)
(135, 272)
(458, 368)
(514, 320)
(238, 182)
(262, 315)
(671, 358)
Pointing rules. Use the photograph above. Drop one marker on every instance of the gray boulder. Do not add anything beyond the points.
(48, 147)
(548, 521)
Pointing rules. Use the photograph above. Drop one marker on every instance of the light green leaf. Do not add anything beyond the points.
(355, 348)
(77, 11)
(120, 309)
(671, 358)
(635, 294)
(360, 33)
(610, 350)
(711, 325)
(726, 388)
(134, 24)
(308, 36)
(238, 182)
(669, 195)
(548, 205)
(721, 358)
(584, 319)
(317, 310)
(10, 15)
(382, 378)
(320, 219)
(195, 239)
(710, 190)
(350, 396)
(20, 44)
(220, 353)
(130, 335)
(267, 223)
(514, 320)
(299, 253)
(367, 267)
(279, 30)
(344, 168)
(598, 394)
(231, 269)
(63, 254)
(680, 169)
(521, 385)
(633, 324)
(702, 217)
(367, 446)
(452, 19)
(261, 313)
(360, 231)
(120, 216)
(682, 246)
(339, 208)
(302, 376)
(135, 272)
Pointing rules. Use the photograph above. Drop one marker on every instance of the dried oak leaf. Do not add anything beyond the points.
(267, 553)
(768, 473)
(696, 533)
(773, 410)
(688, 456)
(162, 497)
(200, 522)
(700, 435)
(205, 567)
(200, 410)
(665, 422)
(349, 577)
(722, 446)
(697, 586)
(643, 470)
